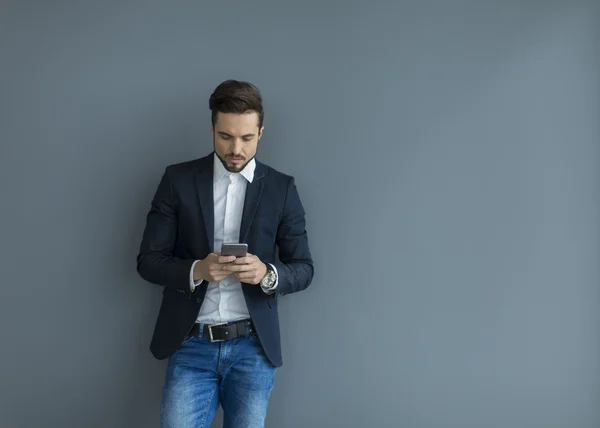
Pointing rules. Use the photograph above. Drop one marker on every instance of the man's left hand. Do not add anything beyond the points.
(247, 269)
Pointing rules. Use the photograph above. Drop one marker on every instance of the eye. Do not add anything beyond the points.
(247, 139)
(225, 137)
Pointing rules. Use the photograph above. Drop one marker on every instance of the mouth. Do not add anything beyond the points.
(235, 161)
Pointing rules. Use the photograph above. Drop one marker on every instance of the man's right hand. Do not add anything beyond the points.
(211, 268)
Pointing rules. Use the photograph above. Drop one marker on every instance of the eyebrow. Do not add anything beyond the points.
(225, 134)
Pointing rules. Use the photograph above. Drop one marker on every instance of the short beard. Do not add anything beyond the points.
(224, 162)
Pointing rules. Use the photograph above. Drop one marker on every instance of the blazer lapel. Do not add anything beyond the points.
(253, 194)
(204, 186)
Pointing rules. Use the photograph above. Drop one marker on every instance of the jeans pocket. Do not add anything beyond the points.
(187, 339)
(252, 335)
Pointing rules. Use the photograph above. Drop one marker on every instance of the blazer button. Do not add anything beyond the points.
(198, 300)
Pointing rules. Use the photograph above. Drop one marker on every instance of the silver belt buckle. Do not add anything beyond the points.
(210, 334)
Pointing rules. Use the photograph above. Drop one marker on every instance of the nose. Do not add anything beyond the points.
(236, 148)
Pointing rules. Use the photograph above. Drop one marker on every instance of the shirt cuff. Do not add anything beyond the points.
(193, 283)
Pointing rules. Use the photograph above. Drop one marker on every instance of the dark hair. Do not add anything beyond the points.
(233, 96)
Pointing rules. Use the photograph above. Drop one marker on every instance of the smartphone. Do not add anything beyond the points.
(237, 250)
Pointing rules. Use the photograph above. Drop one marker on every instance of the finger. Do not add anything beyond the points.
(220, 275)
(225, 259)
(238, 268)
(250, 258)
(244, 276)
(217, 269)
(243, 260)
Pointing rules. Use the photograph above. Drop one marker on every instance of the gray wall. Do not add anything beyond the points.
(448, 156)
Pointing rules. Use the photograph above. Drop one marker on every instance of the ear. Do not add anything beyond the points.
(260, 132)
(212, 128)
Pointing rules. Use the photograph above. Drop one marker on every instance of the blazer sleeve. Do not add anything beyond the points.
(295, 269)
(155, 261)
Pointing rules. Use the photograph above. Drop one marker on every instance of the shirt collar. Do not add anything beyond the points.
(220, 171)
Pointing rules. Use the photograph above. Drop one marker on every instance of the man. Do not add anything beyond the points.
(218, 322)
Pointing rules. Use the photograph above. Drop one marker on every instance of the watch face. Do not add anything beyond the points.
(269, 279)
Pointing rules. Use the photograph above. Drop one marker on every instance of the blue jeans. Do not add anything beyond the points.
(201, 375)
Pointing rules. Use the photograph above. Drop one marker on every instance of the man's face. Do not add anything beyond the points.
(236, 139)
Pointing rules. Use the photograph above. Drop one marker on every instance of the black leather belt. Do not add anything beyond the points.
(224, 331)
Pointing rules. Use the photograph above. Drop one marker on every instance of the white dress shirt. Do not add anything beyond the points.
(224, 300)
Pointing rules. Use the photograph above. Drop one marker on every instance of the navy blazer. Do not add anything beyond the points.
(180, 229)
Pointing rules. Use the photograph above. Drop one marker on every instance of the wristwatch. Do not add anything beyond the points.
(268, 282)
